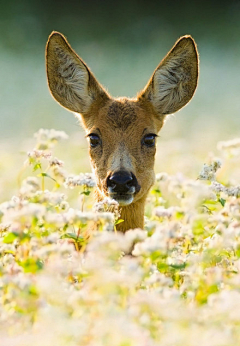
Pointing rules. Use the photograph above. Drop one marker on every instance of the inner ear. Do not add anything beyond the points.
(70, 81)
(174, 81)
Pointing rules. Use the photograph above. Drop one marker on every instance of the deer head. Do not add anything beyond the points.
(122, 132)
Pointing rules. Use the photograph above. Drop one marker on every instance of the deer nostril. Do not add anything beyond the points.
(121, 181)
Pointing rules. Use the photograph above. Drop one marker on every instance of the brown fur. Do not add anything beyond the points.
(122, 123)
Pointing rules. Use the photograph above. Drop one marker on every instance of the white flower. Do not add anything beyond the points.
(53, 161)
(135, 235)
(157, 242)
(229, 191)
(209, 171)
(59, 172)
(46, 138)
(107, 204)
(161, 176)
(164, 212)
(38, 154)
(4, 227)
(232, 146)
(25, 212)
(82, 179)
(73, 216)
(29, 186)
(54, 198)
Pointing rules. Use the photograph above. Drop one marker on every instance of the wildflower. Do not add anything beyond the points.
(47, 138)
(4, 227)
(26, 211)
(229, 191)
(55, 162)
(73, 217)
(134, 236)
(232, 146)
(209, 171)
(38, 154)
(29, 186)
(107, 204)
(82, 179)
(157, 242)
(59, 173)
(163, 212)
(46, 196)
(161, 176)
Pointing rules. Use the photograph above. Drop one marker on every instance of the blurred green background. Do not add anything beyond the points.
(122, 42)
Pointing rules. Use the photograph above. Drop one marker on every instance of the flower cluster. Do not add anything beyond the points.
(229, 191)
(232, 147)
(209, 171)
(48, 138)
(82, 179)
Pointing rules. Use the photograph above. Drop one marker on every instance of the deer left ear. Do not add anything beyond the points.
(174, 81)
(70, 81)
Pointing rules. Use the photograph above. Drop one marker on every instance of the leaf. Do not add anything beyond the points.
(43, 174)
(155, 191)
(10, 237)
(31, 265)
(86, 193)
(238, 252)
(73, 236)
(37, 166)
(117, 222)
(178, 266)
(222, 201)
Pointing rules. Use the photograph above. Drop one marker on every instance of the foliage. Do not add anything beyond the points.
(62, 282)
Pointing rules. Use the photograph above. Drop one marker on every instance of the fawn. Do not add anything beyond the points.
(122, 132)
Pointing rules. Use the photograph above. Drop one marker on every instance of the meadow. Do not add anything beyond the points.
(177, 281)
(174, 283)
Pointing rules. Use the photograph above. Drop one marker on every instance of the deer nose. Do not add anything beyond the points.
(122, 182)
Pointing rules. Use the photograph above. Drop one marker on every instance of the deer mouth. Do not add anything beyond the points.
(122, 199)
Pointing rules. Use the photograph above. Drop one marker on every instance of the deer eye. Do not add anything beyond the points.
(149, 140)
(94, 140)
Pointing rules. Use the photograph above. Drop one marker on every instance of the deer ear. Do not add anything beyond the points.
(70, 81)
(174, 81)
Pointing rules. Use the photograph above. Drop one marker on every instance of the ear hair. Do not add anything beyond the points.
(70, 81)
(174, 81)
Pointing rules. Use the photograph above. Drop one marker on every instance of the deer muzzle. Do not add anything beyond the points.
(122, 186)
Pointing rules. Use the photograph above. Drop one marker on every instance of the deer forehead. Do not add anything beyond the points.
(123, 119)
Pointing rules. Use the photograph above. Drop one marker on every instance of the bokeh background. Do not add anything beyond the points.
(122, 42)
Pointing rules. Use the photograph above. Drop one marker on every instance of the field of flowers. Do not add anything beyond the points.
(175, 283)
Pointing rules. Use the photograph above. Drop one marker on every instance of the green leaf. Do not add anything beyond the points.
(31, 160)
(238, 252)
(43, 174)
(73, 236)
(31, 265)
(162, 267)
(86, 193)
(33, 290)
(10, 237)
(222, 201)
(178, 266)
(155, 191)
(117, 222)
(37, 166)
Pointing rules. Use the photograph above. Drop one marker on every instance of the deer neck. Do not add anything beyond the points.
(133, 216)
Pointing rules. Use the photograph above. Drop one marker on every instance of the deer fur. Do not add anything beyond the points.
(124, 127)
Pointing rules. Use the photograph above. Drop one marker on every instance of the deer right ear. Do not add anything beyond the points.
(174, 81)
(70, 81)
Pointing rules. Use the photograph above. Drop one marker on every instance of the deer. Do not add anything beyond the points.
(122, 131)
